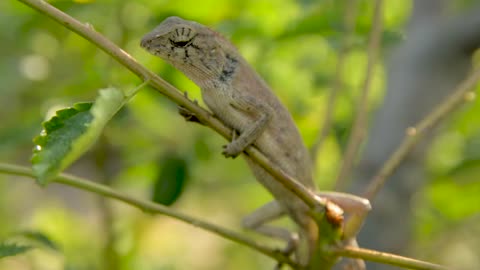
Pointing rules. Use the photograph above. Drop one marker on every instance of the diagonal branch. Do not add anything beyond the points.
(172, 93)
(150, 207)
(386, 258)
(461, 95)
(175, 95)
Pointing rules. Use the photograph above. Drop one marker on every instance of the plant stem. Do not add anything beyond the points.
(359, 126)
(460, 95)
(386, 258)
(351, 8)
(150, 207)
(172, 93)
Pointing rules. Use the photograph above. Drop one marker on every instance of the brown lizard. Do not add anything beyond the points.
(237, 95)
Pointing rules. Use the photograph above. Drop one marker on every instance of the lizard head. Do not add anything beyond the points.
(194, 49)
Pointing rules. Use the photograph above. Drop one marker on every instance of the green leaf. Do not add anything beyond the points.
(40, 238)
(71, 132)
(11, 249)
(171, 180)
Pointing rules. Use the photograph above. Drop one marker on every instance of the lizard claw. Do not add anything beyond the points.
(227, 152)
(185, 94)
(188, 115)
(232, 149)
(291, 247)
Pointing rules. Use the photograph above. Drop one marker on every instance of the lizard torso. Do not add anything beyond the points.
(225, 78)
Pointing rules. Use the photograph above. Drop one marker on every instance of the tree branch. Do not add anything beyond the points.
(204, 116)
(154, 208)
(151, 207)
(460, 95)
(349, 26)
(358, 129)
(386, 258)
(172, 93)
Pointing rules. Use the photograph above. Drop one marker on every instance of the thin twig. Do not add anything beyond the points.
(461, 95)
(172, 93)
(386, 258)
(358, 129)
(153, 208)
(150, 207)
(349, 25)
(110, 258)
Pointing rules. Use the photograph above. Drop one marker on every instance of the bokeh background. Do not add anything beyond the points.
(294, 45)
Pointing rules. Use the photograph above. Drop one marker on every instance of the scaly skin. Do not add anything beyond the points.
(236, 94)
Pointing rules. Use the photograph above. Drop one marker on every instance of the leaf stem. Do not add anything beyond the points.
(131, 93)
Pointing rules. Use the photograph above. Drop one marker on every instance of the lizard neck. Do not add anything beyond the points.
(215, 76)
(224, 78)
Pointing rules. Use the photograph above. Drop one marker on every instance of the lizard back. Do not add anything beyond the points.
(225, 77)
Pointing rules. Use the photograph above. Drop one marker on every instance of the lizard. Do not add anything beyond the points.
(240, 98)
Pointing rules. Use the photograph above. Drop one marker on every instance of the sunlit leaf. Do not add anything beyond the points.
(71, 132)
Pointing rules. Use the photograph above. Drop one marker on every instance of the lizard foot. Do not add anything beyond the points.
(233, 149)
(185, 94)
(291, 247)
(186, 114)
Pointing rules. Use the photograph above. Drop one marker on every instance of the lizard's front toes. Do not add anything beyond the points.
(230, 150)
(292, 244)
(185, 94)
(291, 247)
(188, 115)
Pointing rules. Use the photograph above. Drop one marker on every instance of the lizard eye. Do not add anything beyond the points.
(180, 43)
(182, 37)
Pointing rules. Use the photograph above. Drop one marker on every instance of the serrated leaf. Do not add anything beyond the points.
(71, 132)
(11, 249)
(171, 180)
(54, 144)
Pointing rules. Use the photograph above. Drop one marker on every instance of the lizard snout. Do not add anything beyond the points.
(145, 42)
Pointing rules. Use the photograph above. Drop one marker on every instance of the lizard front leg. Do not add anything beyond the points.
(250, 106)
(186, 114)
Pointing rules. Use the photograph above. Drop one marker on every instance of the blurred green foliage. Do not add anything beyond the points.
(292, 44)
(12, 249)
(171, 180)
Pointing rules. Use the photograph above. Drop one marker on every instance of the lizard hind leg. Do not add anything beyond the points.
(271, 211)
